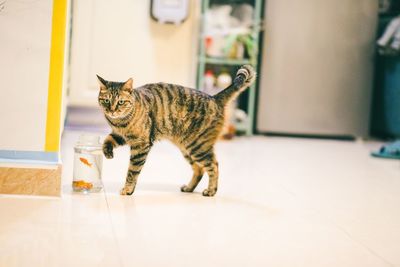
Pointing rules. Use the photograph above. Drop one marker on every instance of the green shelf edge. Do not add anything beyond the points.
(223, 61)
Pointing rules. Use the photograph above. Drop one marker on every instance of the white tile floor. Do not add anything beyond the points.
(281, 202)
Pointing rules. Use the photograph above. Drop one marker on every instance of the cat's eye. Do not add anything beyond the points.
(121, 102)
(106, 101)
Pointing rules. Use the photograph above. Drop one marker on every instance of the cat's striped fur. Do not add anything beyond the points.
(189, 118)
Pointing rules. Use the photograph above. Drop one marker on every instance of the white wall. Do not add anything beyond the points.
(25, 31)
(119, 40)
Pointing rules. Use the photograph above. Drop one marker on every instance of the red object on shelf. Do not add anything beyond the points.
(208, 41)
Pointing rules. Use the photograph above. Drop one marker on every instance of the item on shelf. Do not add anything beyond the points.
(223, 28)
(236, 121)
(208, 43)
(244, 13)
(384, 6)
(249, 43)
(224, 79)
(224, 20)
(233, 48)
(228, 132)
(209, 81)
(389, 42)
(237, 45)
(218, 20)
(215, 46)
(240, 116)
(239, 53)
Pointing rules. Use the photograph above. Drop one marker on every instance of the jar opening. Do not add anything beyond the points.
(89, 139)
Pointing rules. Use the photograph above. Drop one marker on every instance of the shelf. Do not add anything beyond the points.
(230, 2)
(224, 61)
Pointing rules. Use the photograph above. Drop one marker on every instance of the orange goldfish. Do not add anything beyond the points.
(82, 185)
(86, 162)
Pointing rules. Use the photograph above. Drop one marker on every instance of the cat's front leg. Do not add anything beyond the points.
(112, 141)
(137, 159)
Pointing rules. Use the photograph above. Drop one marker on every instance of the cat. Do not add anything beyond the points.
(189, 118)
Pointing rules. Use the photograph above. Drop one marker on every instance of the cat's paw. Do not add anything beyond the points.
(127, 190)
(209, 192)
(108, 150)
(186, 189)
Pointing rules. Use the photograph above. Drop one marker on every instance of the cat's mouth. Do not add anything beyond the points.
(118, 116)
(114, 116)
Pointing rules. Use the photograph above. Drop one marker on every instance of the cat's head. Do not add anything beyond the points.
(115, 98)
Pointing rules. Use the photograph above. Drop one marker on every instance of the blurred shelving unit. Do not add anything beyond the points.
(229, 63)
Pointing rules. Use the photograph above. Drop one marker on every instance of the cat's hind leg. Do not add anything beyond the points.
(197, 175)
(207, 160)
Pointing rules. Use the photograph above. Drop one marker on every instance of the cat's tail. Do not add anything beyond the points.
(245, 76)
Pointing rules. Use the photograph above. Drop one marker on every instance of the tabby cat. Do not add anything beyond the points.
(191, 119)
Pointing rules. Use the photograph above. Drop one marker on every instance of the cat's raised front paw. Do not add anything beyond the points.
(209, 192)
(186, 189)
(108, 150)
(127, 190)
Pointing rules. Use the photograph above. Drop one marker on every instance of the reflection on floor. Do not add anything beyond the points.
(281, 202)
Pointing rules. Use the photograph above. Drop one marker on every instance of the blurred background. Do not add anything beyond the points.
(298, 186)
(320, 73)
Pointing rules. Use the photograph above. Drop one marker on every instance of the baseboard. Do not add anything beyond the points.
(40, 180)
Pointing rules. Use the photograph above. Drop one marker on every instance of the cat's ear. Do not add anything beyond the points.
(102, 82)
(128, 85)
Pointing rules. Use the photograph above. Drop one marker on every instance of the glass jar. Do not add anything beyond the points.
(88, 162)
